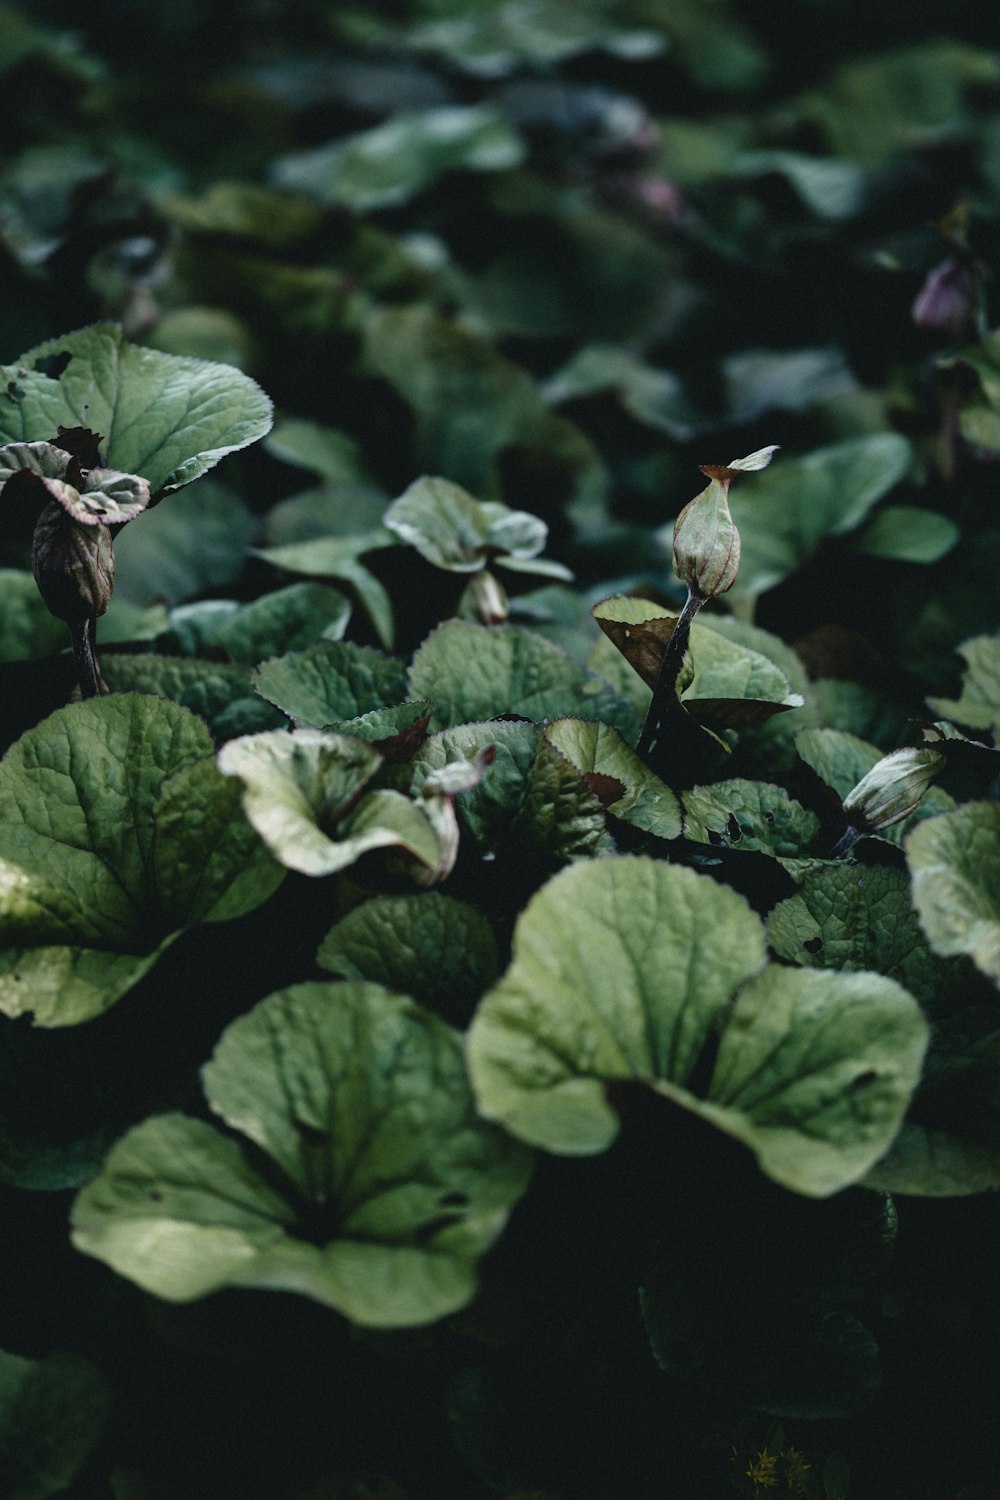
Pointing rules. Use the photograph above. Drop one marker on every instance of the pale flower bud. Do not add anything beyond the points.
(892, 788)
(706, 541)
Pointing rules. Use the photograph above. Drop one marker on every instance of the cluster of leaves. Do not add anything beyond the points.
(468, 1027)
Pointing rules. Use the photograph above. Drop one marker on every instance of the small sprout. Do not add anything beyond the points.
(439, 792)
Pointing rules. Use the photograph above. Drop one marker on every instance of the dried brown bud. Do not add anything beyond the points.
(74, 565)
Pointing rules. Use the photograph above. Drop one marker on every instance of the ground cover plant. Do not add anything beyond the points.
(500, 898)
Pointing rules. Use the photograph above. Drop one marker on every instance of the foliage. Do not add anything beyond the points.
(468, 1027)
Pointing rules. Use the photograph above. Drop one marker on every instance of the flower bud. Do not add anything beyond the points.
(74, 565)
(707, 543)
(947, 300)
(892, 788)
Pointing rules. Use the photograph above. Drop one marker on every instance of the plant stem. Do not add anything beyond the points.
(87, 670)
(664, 701)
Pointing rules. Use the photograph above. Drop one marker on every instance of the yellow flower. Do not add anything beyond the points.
(761, 1471)
(795, 1469)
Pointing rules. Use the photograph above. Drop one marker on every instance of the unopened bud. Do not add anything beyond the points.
(947, 299)
(706, 541)
(74, 565)
(892, 788)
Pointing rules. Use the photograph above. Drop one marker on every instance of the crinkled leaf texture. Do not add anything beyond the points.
(475, 672)
(330, 682)
(440, 950)
(847, 916)
(630, 969)
(955, 863)
(52, 1412)
(384, 1185)
(164, 416)
(116, 832)
(624, 784)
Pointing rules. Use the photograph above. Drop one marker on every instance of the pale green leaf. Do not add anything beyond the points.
(453, 530)
(906, 534)
(955, 863)
(626, 969)
(384, 1186)
(978, 705)
(388, 164)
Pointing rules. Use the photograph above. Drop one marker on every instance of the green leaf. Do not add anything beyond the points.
(488, 811)
(163, 416)
(859, 710)
(387, 165)
(955, 863)
(842, 761)
(560, 815)
(331, 682)
(453, 530)
(721, 668)
(831, 188)
(441, 951)
(384, 1186)
(218, 692)
(52, 1413)
(878, 104)
(763, 380)
(245, 211)
(625, 969)
(338, 557)
(475, 672)
(906, 534)
(325, 451)
(979, 702)
(979, 413)
(27, 630)
(287, 619)
(656, 398)
(750, 815)
(621, 968)
(471, 405)
(784, 514)
(848, 917)
(501, 39)
(64, 985)
(115, 833)
(197, 542)
(625, 785)
(933, 1163)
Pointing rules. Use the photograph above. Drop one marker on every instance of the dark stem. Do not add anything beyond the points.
(664, 701)
(87, 670)
(846, 842)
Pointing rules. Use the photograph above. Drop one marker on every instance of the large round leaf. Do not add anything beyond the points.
(626, 970)
(116, 831)
(164, 416)
(383, 1185)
